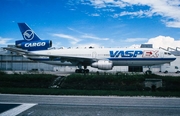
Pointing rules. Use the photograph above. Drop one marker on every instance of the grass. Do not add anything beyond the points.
(44, 91)
(92, 84)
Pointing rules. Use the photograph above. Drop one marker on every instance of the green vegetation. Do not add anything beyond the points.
(104, 82)
(121, 82)
(44, 91)
(26, 80)
(79, 84)
(2, 73)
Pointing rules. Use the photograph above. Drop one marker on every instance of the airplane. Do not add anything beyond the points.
(33, 48)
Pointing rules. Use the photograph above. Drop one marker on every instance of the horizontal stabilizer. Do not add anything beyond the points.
(16, 50)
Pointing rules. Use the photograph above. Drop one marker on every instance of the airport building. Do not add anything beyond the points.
(10, 61)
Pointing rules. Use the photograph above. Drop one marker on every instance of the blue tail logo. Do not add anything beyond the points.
(31, 41)
(28, 35)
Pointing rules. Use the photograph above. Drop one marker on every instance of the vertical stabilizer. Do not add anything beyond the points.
(27, 33)
(31, 41)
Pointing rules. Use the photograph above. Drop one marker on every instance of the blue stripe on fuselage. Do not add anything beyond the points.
(112, 59)
(134, 59)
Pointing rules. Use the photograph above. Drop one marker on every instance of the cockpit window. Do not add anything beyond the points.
(167, 53)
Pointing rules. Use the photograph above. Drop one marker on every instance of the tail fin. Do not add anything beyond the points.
(31, 41)
(27, 33)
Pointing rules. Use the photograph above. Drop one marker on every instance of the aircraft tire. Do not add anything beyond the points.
(81, 71)
(86, 70)
(77, 71)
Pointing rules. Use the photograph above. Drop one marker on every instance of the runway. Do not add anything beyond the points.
(47, 105)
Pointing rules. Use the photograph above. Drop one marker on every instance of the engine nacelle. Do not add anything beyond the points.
(34, 45)
(103, 65)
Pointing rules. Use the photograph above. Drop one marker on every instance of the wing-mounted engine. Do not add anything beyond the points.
(34, 45)
(103, 65)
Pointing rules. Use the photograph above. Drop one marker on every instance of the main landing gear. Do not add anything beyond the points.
(80, 70)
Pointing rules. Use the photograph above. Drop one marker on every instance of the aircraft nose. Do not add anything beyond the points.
(173, 57)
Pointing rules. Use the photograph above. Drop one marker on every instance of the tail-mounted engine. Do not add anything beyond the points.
(34, 45)
(103, 65)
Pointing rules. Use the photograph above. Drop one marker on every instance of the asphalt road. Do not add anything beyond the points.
(50, 105)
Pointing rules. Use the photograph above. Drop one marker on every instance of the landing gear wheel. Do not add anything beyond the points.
(81, 71)
(77, 71)
(86, 71)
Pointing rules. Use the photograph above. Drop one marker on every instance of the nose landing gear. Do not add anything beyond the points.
(149, 71)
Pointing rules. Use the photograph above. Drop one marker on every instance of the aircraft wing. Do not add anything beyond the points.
(76, 59)
(84, 60)
(16, 50)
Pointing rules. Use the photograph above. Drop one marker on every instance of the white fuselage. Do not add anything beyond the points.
(118, 56)
(34, 48)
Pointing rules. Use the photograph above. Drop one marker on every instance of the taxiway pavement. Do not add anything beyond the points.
(47, 105)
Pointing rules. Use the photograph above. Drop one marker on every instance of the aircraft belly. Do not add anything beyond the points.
(116, 63)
